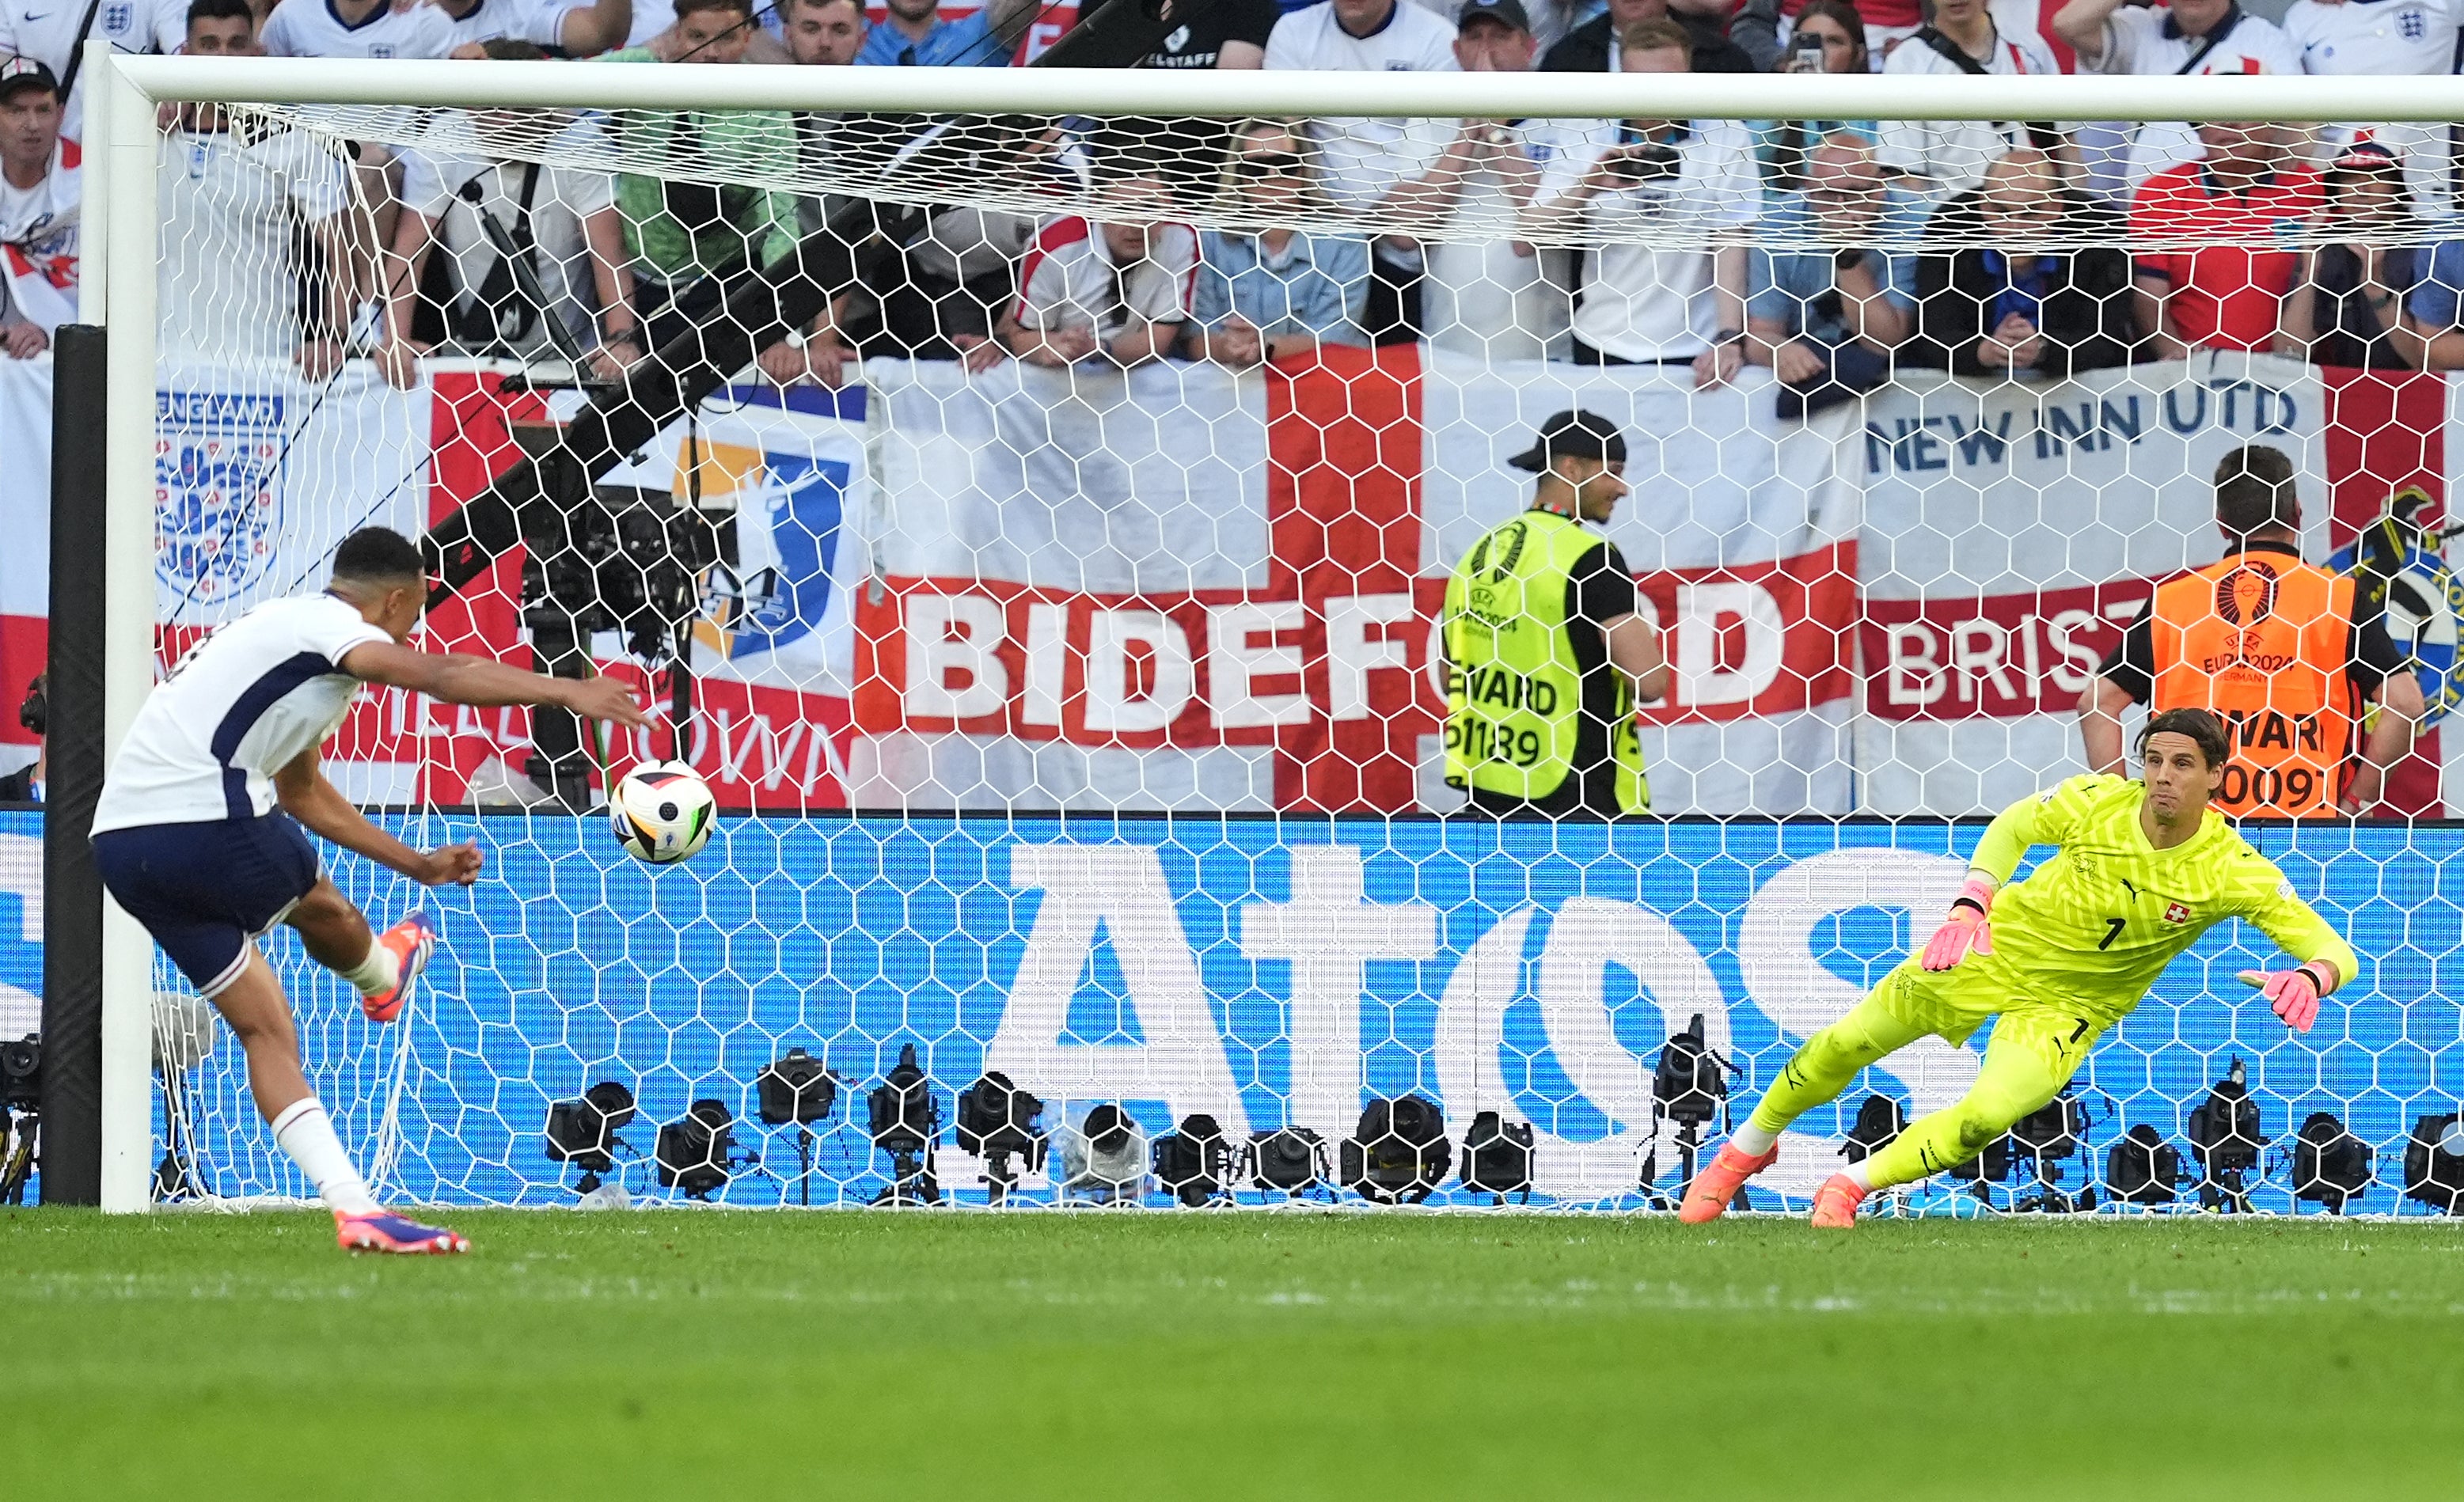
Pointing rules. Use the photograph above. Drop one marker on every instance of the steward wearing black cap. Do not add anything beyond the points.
(1546, 650)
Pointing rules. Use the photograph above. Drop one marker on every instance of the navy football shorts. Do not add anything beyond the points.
(205, 891)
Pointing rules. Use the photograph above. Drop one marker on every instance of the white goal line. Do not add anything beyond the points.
(1138, 91)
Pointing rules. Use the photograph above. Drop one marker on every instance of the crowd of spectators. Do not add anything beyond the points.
(1831, 252)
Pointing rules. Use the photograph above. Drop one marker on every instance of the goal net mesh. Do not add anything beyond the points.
(1035, 530)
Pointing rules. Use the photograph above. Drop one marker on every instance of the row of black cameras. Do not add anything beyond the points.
(1398, 1154)
(2327, 1165)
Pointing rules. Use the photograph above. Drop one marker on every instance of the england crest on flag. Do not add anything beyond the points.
(217, 473)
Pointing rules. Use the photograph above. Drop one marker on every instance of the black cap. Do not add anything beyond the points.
(1584, 435)
(25, 72)
(1510, 11)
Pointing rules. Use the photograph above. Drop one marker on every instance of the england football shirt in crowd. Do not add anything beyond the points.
(313, 28)
(2389, 38)
(38, 241)
(443, 189)
(2147, 43)
(244, 704)
(1644, 301)
(1360, 160)
(233, 204)
(1497, 297)
(1952, 155)
(540, 21)
(46, 32)
(1070, 281)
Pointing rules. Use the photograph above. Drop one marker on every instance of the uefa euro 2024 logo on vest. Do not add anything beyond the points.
(218, 477)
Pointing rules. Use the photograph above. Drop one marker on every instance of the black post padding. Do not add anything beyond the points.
(71, 1145)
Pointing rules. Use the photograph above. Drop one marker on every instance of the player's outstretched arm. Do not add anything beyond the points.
(482, 684)
(304, 793)
(2043, 819)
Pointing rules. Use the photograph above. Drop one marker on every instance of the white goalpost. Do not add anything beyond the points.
(968, 661)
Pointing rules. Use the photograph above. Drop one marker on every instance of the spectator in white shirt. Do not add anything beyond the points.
(38, 210)
(580, 28)
(249, 197)
(1942, 158)
(563, 220)
(1116, 290)
(1486, 295)
(2196, 37)
(1666, 206)
(2391, 38)
(50, 36)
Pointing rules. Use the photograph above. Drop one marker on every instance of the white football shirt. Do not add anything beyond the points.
(46, 32)
(437, 187)
(2389, 38)
(1070, 281)
(312, 29)
(38, 241)
(1361, 159)
(234, 204)
(540, 21)
(1952, 155)
(2146, 41)
(244, 704)
(1641, 302)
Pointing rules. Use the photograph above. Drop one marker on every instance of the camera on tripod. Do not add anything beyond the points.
(1689, 1086)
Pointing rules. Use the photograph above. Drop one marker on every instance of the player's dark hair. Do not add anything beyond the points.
(686, 8)
(2202, 727)
(2255, 492)
(221, 11)
(377, 556)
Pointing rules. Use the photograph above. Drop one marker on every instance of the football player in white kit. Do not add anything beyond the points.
(195, 831)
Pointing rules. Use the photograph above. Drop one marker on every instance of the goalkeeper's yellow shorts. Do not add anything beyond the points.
(1953, 1004)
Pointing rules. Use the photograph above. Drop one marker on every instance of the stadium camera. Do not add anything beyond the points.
(2330, 1164)
(1497, 1157)
(1195, 1164)
(2045, 1139)
(1104, 1157)
(905, 1121)
(798, 1088)
(583, 1132)
(692, 1151)
(2141, 1167)
(997, 1122)
(2433, 1163)
(2225, 1140)
(21, 1100)
(1399, 1152)
(1688, 1086)
(1290, 1161)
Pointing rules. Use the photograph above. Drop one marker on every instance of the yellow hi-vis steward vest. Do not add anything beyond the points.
(1514, 696)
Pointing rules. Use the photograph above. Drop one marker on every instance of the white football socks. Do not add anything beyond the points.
(1861, 1173)
(379, 973)
(307, 1135)
(1752, 1141)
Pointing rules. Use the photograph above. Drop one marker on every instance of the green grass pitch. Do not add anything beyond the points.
(721, 1355)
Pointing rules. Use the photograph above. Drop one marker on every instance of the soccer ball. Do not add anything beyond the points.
(662, 812)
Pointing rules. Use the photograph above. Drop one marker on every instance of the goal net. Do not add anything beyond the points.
(1034, 525)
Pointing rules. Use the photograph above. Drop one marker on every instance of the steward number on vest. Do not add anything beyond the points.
(1484, 740)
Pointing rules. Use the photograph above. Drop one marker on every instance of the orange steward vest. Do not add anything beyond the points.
(2262, 639)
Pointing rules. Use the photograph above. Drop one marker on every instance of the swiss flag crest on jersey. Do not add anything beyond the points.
(2176, 913)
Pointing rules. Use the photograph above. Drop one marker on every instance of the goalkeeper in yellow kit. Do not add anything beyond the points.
(2145, 868)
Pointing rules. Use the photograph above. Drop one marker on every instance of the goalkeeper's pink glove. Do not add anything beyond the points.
(2294, 993)
(1965, 929)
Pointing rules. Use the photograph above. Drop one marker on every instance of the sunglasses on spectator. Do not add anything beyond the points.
(1269, 164)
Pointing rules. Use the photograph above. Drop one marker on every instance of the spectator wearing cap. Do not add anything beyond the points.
(1544, 646)
(1667, 207)
(2348, 298)
(2199, 38)
(1599, 44)
(2204, 233)
(52, 34)
(1945, 157)
(911, 34)
(2024, 278)
(39, 190)
(1484, 293)
(1275, 294)
(2385, 38)
(1830, 301)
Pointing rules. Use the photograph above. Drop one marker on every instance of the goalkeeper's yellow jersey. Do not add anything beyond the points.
(2097, 924)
